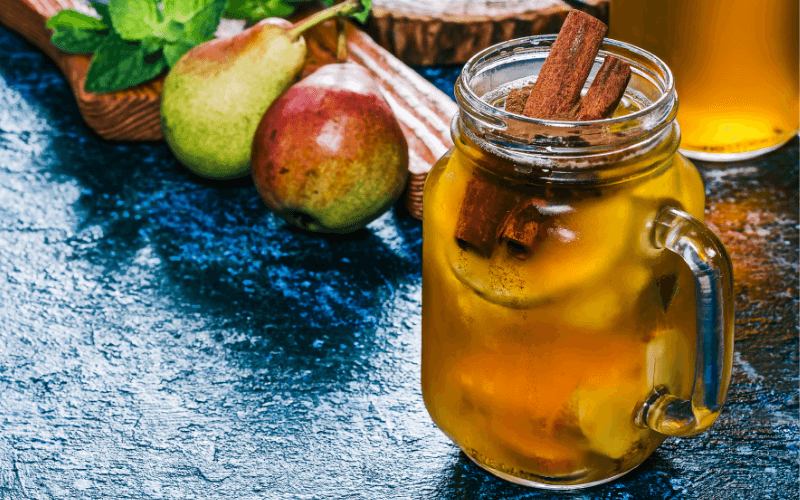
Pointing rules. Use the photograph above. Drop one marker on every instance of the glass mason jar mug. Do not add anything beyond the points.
(575, 309)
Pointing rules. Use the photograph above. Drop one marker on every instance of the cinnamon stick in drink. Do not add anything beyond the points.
(600, 101)
(525, 228)
(484, 208)
(606, 91)
(558, 86)
(491, 215)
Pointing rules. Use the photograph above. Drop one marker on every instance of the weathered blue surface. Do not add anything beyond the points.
(162, 337)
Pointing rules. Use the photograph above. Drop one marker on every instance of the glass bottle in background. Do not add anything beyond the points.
(735, 64)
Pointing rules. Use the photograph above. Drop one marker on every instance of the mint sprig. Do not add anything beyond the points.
(135, 40)
(119, 64)
(256, 10)
(135, 19)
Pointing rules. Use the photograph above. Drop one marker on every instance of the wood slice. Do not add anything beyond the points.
(422, 32)
(424, 112)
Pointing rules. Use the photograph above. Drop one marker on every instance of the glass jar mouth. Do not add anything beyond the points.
(564, 145)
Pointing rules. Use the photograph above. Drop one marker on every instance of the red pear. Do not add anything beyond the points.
(329, 155)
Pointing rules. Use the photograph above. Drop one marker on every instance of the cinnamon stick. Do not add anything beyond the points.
(606, 91)
(486, 205)
(560, 81)
(490, 214)
(525, 228)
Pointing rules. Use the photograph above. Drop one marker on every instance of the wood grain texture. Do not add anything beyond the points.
(452, 31)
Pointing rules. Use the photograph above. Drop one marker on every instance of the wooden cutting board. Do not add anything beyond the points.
(424, 112)
(425, 32)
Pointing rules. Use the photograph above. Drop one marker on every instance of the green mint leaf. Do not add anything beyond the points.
(182, 10)
(152, 44)
(256, 10)
(78, 41)
(174, 51)
(120, 64)
(171, 31)
(133, 19)
(364, 14)
(75, 20)
(278, 8)
(251, 10)
(102, 9)
(201, 26)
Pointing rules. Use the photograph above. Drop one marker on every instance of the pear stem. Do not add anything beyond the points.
(341, 41)
(342, 9)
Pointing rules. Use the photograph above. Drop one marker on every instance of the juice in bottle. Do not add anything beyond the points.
(736, 65)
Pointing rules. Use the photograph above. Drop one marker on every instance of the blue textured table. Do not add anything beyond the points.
(163, 337)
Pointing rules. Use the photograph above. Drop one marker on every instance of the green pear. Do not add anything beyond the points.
(215, 95)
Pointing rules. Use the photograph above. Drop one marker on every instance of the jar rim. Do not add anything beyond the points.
(569, 146)
(546, 41)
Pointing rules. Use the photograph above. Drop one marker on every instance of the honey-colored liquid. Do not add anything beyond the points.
(536, 367)
(735, 62)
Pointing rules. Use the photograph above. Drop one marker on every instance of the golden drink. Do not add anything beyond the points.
(736, 66)
(560, 351)
(537, 366)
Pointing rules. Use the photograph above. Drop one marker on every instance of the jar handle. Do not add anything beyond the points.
(702, 250)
